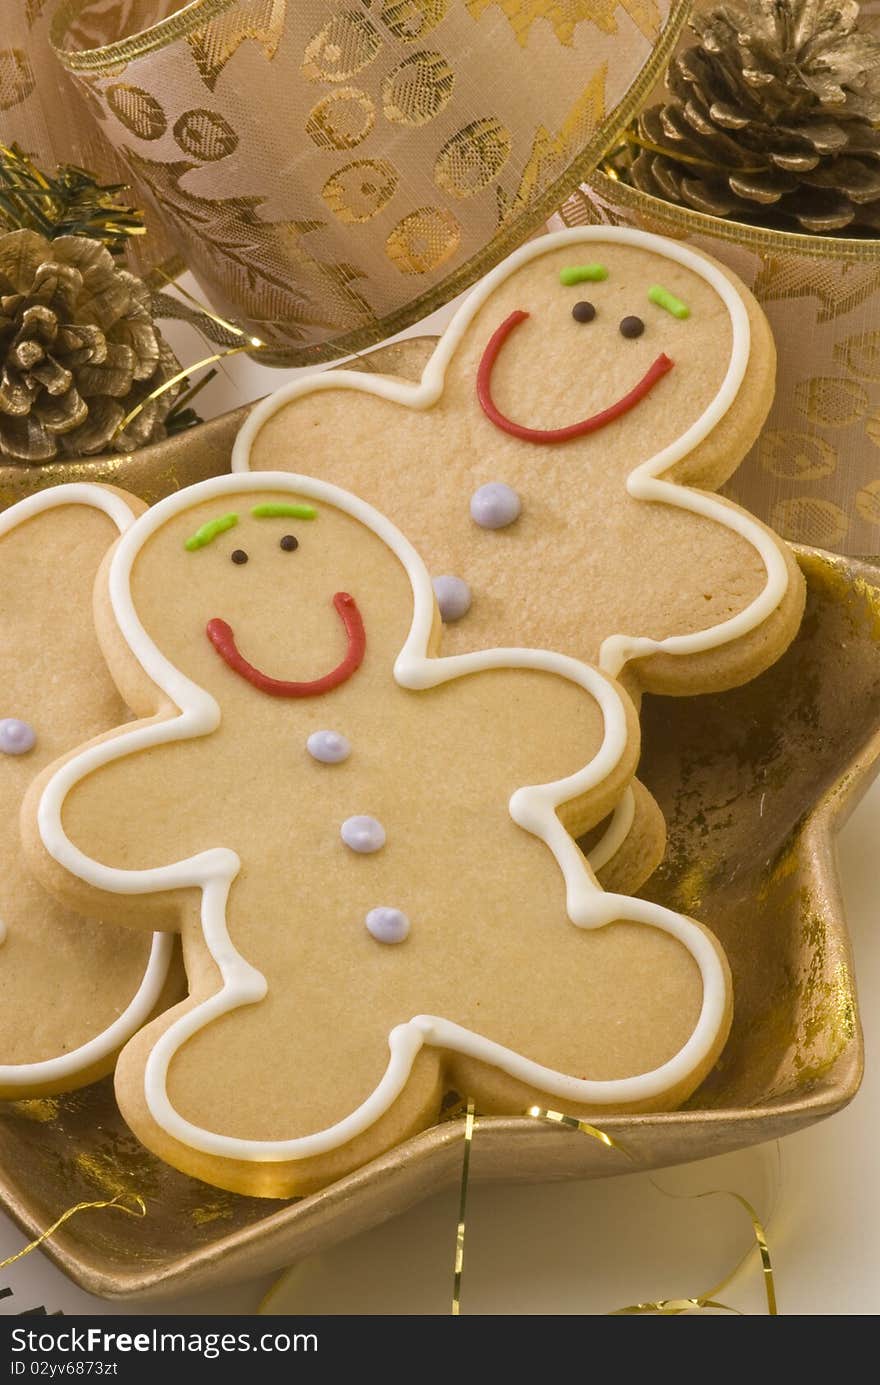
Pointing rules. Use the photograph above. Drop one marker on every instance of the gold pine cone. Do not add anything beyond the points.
(78, 351)
(773, 118)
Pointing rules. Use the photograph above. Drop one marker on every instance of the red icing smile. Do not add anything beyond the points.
(221, 636)
(639, 392)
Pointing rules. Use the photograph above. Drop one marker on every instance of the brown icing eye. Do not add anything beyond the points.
(583, 312)
(631, 327)
(239, 556)
(289, 543)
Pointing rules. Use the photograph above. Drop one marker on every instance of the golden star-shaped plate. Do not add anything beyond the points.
(754, 784)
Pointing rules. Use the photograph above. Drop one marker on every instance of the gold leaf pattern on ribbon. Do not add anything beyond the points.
(410, 20)
(256, 256)
(796, 456)
(816, 521)
(423, 240)
(205, 135)
(550, 153)
(345, 45)
(357, 192)
(17, 80)
(418, 89)
(831, 401)
(868, 502)
(860, 354)
(341, 120)
(564, 16)
(138, 110)
(839, 288)
(472, 157)
(216, 42)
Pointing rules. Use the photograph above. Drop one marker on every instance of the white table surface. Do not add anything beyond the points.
(594, 1246)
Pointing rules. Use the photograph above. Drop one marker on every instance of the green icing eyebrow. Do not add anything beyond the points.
(204, 535)
(279, 510)
(583, 274)
(664, 299)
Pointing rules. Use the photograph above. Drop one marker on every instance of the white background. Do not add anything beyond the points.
(594, 1246)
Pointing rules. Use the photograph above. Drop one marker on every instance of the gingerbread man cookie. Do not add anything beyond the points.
(558, 455)
(368, 847)
(72, 990)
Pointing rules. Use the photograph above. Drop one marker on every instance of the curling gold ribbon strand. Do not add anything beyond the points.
(659, 1307)
(682, 1305)
(469, 1122)
(138, 1210)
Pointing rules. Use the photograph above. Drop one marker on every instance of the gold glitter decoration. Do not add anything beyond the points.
(42, 1109)
(341, 120)
(817, 452)
(66, 202)
(205, 135)
(139, 112)
(753, 791)
(17, 80)
(360, 190)
(470, 160)
(423, 240)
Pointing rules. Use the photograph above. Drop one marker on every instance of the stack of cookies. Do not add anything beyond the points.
(359, 721)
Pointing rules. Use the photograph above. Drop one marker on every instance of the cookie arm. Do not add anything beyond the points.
(67, 858)
(558, 811)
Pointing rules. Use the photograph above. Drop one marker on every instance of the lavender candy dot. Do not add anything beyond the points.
(16, 737)
(453, 597)
(495, 505)
(363, 834)
(387, 925)
(330, 747)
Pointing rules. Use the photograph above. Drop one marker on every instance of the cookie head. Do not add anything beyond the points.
(270, 596)
(610, 345)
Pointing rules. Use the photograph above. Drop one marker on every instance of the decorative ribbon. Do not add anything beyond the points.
(139, 1209)
(469, 1122)
(665, 1307)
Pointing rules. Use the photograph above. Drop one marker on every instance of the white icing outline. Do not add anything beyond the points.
(643, 483)
(146, 997)
(532, 807)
